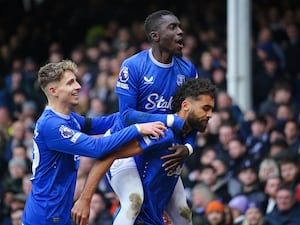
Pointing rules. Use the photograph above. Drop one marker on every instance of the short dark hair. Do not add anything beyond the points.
(193, 88)
(151, 23)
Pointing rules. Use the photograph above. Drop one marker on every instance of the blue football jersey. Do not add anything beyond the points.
(157, 183)
(146, 85)
(57, 144)
(146, 88)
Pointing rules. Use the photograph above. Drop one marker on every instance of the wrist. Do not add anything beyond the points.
(175, 122)
(190, 148)
(138, 128)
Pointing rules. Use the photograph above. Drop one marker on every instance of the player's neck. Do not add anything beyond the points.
(59, 107)
(161, 56)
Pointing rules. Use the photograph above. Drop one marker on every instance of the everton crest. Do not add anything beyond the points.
(180, 79)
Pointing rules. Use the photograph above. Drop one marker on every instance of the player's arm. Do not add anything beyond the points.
(130, 115)
(97, 125)
(60, 137)
(179, 152)
(81, 209)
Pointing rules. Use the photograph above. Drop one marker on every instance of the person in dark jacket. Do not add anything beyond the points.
(287, 210)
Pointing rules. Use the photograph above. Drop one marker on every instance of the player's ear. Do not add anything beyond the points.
(52, 90)
(154, 36)
(185, 105)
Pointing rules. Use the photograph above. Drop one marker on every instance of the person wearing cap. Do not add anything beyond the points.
(250, 186)
(238, 206)
(215, 213)
(253, 215)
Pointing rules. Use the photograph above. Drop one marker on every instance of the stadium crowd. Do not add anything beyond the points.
(244, 167)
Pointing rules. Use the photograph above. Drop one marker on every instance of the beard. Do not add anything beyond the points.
(195, 124)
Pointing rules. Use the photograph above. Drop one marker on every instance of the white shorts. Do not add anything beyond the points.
(121, 165)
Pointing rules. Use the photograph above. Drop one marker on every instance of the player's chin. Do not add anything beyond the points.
(75, 102)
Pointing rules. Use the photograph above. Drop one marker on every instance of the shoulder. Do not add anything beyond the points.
(183, 60)
(138, 57)
(49, 120)
(185, 65)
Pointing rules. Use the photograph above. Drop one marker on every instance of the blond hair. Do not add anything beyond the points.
(52, 72)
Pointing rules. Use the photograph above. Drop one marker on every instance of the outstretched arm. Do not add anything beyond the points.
(81, 208)
(130, 115)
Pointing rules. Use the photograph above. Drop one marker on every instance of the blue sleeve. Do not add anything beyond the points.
(191, 138)
(99, 125)
(62, 138)
(130, 115)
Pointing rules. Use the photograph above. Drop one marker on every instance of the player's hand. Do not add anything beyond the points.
(155, 129)
(175, 159)
(81, 212)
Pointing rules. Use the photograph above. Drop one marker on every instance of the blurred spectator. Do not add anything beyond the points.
(97, 108)
(277, 146)
(287, 209)
(291, 132)
(209, 177)
(289, 169)
(111, 97)
(280, 94)
(227, 131)
(283, 113)
(267, 47)
(238, 206)
(272, 185)
(100, 214)
(267, 168)
(206, 65)
(18, 99)
(257, 142)
(214, 213)
(224, 101)
(16, 216)
(20, 151)
(218, 77)
(100, 89)
(217, 51)
(254, 215)
(199, 158)
(16, 138)
(221, 167)
(250, 186)
(17, 170)
(238, 154)
(274, 135)
(18, 201)
(5, 210)
(264, 79)
(201, 196)
(228, 215)
(292, 50)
